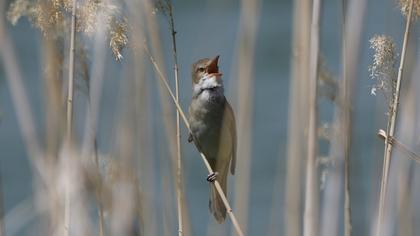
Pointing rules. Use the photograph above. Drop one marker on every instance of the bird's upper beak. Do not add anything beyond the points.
(213, 67)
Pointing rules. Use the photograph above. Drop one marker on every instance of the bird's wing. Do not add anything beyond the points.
(230, 118)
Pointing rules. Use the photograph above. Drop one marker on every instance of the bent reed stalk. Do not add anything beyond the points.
(391, 125)
(203, 157)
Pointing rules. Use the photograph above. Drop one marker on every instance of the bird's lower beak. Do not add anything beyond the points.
(213, 68)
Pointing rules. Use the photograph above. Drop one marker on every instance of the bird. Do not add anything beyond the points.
(213, 128)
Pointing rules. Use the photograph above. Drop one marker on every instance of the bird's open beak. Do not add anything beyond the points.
(213, 68)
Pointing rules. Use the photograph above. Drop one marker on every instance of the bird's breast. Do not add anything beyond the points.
(206, 118)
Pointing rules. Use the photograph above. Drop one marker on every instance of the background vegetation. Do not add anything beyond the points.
(93, 140)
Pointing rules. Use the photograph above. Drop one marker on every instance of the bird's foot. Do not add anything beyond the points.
(190, 138)
(212, 177)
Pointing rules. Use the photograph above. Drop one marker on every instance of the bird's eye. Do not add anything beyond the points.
(201, 69)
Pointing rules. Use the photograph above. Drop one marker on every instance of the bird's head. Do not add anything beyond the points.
(206, 71)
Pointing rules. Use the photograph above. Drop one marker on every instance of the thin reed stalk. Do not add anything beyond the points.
(203, 157)
(70, 88)
(179, 195)
(339, 179)
(345, 128)
(247, 37)
(391, 125)
(54, 119)
(69, 113)
(401, 182)
(298, 103)
(311, 193)
(353, 27)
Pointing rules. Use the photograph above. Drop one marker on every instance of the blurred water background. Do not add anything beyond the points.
(206, 29)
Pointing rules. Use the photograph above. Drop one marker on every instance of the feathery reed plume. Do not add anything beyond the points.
(383, 69)
(392, 121)
(54, 17)
(297, 112)
(311, 189)
(184, 118)
(405, 7)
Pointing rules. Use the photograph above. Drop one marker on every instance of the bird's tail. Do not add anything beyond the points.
(216, 206)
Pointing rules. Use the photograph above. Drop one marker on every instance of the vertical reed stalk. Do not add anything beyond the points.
(179, 195)
(70, 91)
(311, 194)
(70, 110)
(53, 61)
(345, 127)
(353, 26)
(347, 90)
(297, 116)
(247, 37)
(203, 157)
(391, 125)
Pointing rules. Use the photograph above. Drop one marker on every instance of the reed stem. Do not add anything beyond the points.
(391, 125)
(70, 109)
(298, 104)
(178, 131)
(311, 194)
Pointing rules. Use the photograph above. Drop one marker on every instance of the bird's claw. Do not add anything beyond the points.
(212, 177)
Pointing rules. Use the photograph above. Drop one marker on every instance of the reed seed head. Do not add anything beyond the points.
(383, 69)
(53, 18)
(118, 37)
(405, 7)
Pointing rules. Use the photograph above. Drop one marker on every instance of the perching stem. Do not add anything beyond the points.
(391, 125)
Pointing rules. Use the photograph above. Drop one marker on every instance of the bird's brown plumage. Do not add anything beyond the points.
(212, 123)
